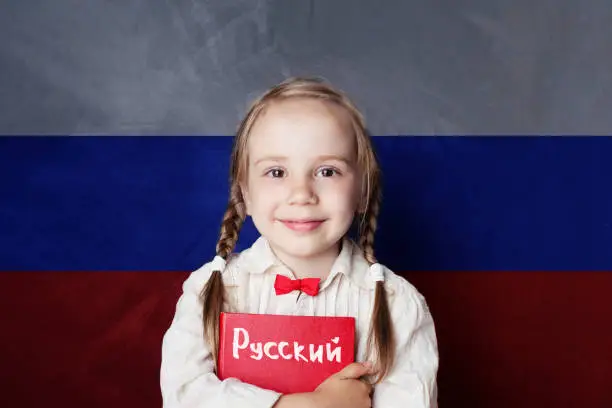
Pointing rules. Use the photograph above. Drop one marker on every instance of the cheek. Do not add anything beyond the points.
(344, 196)
(263, 194)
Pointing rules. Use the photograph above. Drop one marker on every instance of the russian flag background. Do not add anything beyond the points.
(509, 239)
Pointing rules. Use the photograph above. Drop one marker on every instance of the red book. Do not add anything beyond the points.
(287, 354)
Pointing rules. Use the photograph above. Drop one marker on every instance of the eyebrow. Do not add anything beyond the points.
(334, 157)
(270, 158)
(320, 158)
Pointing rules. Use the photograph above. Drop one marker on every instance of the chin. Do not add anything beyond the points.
(305, 248)
(299, 251)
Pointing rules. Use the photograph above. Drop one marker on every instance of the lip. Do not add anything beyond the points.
(302, 225)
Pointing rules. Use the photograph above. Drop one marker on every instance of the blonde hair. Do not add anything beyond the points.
(380, 344)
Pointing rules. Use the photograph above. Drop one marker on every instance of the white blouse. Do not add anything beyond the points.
(187, 378)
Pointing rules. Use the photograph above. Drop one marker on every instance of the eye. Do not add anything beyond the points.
(275, 173)
(328, 172)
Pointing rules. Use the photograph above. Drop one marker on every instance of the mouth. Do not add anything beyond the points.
(302, 225)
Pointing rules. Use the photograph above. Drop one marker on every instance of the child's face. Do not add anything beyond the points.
(303, 185)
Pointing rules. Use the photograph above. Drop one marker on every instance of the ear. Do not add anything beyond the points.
(246, 197)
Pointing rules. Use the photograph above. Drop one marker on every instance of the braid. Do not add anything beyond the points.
(232, 223)
(213, 293)
(369, 224)
(380, 335)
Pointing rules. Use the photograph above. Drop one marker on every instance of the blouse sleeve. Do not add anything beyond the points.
(187, 375)
(412, 380)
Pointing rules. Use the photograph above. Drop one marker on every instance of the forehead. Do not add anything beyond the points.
(303, 128)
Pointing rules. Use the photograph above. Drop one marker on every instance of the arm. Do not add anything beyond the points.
(187, 379)
(295, 401)
(412, 381)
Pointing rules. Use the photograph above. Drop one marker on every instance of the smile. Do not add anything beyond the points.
(302, 226)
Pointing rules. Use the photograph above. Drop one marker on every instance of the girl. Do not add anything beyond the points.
(304, 170)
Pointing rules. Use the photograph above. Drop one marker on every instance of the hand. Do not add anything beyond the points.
(345, 389)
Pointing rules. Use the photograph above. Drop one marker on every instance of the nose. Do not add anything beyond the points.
(302, 192)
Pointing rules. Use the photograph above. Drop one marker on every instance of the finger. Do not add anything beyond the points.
(369, 366)
(354, 371)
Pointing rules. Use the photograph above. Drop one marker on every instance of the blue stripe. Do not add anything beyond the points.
(450, 203)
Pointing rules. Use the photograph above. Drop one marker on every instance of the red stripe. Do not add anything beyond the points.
(522, 339)
(525, 339)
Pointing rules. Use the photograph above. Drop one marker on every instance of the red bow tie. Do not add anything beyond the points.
(283, 285)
